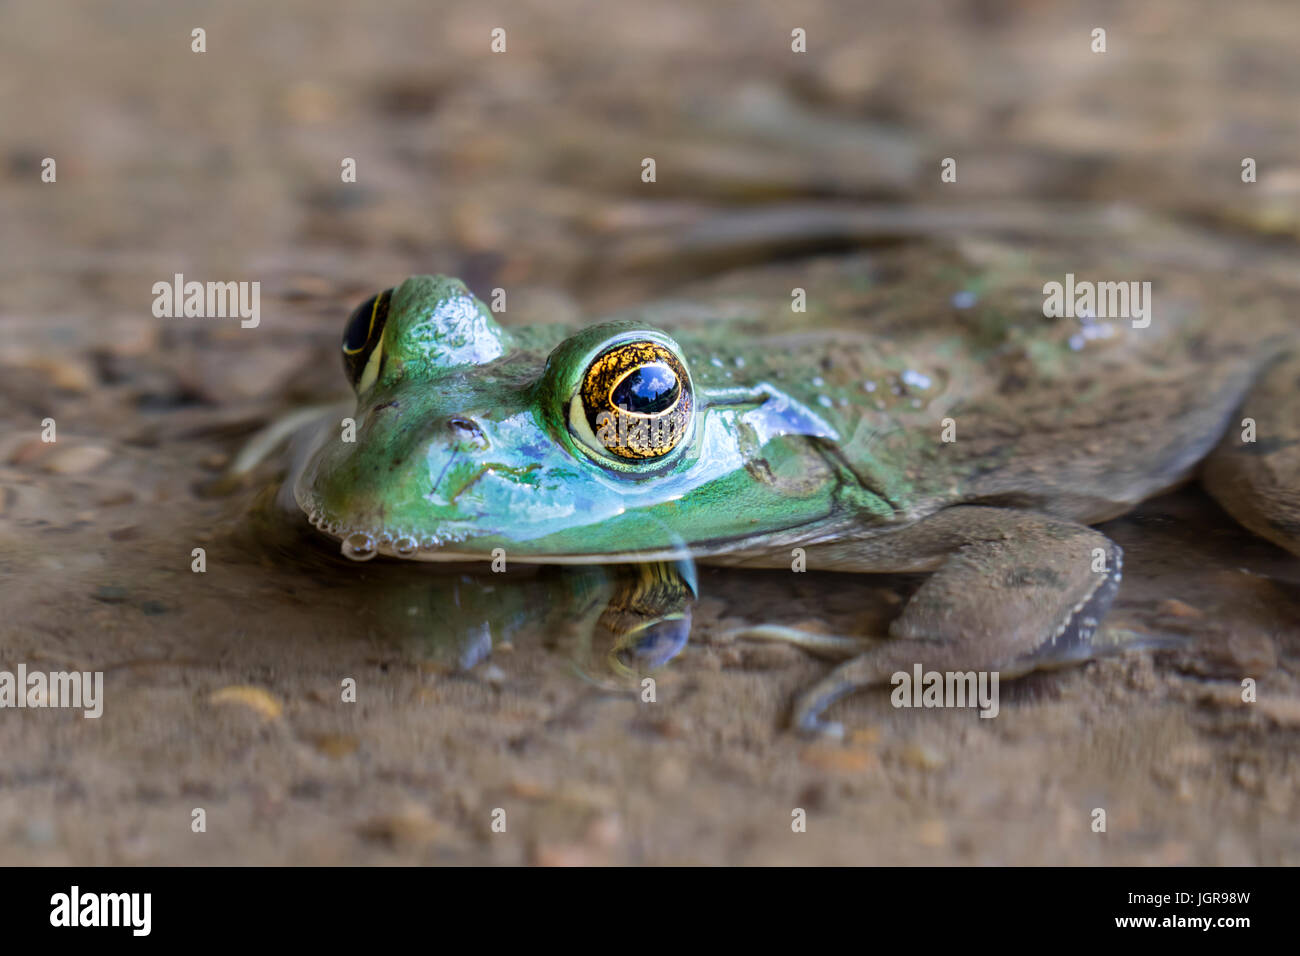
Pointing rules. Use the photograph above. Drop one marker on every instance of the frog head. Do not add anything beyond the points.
(555, 445)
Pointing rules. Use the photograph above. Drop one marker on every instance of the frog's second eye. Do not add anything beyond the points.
(362, 336)
(635, 401)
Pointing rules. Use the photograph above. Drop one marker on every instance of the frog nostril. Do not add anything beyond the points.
(465, 429)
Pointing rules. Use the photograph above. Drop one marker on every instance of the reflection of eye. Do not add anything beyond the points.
(361, 338)
(648, 390)
(635, 401)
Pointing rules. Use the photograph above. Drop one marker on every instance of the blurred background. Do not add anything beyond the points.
(522, 170)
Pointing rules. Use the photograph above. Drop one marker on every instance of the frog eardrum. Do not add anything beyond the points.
(635, 399)
(362, 335)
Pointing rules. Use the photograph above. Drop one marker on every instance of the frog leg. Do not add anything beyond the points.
(1254, 473)
(1013, 591)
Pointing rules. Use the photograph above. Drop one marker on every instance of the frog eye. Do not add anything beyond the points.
(362, 351)
(634, 402)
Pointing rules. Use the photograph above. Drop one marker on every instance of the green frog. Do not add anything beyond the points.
(909, 410)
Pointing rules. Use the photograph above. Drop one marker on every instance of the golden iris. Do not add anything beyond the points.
(637, 400)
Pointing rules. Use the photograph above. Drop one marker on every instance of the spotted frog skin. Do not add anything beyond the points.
(921, 415)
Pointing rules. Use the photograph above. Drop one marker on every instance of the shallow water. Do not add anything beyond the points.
(224, 690)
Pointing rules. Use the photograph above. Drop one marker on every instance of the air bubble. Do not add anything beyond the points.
(359, 546)
(405, 546)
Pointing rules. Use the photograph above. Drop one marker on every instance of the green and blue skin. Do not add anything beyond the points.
(977, 446)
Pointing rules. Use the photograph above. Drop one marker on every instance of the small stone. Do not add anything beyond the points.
(923, 757)
(567, 854)
(671, 727)
(527, 789)
(336, 745)
(70, 374)
(605, 831)
(1251, 651)
(864, 736)
(39, 833)
(254, 698)
(1247, 777)
(1172, 607)
(1284, 711)
(30, 451)
(671, 775)
(77, 460)
(932, 833)
(409, 826)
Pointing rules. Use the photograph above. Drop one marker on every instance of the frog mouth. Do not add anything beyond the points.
(364, 544)
(362, 541)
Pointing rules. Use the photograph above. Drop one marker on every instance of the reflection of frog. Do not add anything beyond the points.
(936, 423)
(612, 623)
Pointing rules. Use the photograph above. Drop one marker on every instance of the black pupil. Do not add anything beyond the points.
(358, 328)
(648, 390)
(362, 333)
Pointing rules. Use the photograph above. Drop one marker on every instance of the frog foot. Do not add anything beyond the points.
(1255, 470)
(1013, 591)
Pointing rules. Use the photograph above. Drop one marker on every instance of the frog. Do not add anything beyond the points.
(921, 413)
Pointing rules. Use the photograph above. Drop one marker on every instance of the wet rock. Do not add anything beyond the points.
(77, 460)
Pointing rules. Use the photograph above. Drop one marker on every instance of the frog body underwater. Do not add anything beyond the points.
(889, 428)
